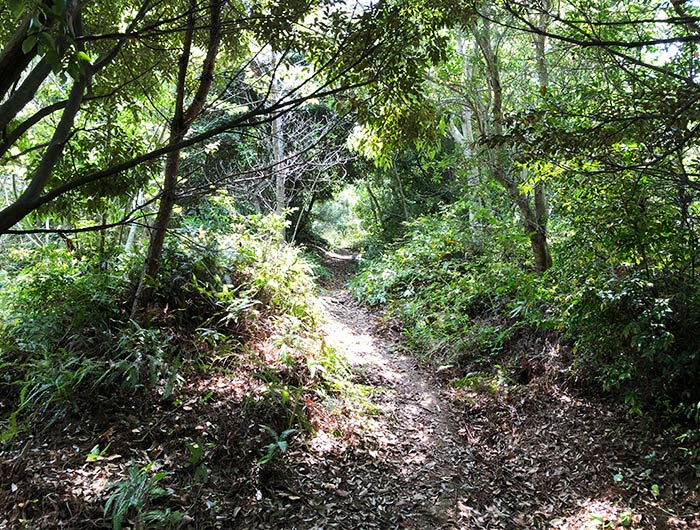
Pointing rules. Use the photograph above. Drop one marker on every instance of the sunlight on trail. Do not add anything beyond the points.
(410, 423)
(532, 455)
(360, 349)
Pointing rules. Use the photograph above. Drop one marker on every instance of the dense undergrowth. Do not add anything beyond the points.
(231, 299)
(466, 296)
(66, 332)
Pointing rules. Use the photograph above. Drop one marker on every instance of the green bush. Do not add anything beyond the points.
(65, 332)
(452, 293)
(637, 335)
(466, 293)
(58, 301)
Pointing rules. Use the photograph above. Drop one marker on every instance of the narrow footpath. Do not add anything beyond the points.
(413, 438)
(425, 455)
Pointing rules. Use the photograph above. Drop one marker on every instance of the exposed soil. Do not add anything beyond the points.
(514, 456)
(401, 448)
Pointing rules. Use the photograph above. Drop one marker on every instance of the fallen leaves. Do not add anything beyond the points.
(416, 455)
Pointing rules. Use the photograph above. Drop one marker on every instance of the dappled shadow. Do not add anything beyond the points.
(518, 456)
(399, 449)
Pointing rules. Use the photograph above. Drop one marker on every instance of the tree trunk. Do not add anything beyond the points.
(278, 169)
(535, 225)
(374, 205)
(464, 137)
(540, 246)
(13, 60)
(534, 215)
(400, 193)
(133, 227)
(182, 119)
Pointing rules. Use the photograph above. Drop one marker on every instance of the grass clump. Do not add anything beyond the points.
(67, 343)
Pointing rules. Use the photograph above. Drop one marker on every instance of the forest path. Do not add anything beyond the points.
(414, 431)
(423, 455)
(392, 444)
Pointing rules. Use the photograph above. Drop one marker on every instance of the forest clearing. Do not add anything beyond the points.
(312, 264)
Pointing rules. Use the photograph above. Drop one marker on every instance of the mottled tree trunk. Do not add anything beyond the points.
(182, 119)
(278, 154)
(533, 211)
(538, 238)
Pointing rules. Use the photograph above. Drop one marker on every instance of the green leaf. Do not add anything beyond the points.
(268, 456)
(73, 70)
(286, 433)
(94, 454)
(47, 40)
(201, 473)
(17, 7)
(29, 43)
(269, 430)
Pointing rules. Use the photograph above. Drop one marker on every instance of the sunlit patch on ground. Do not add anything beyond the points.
(600, 514)
(397, 447)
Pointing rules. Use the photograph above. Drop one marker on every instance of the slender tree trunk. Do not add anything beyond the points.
(277, 133)
(182, 119)
(303, 217)
(464, 137)
(534, 215)
(167, 198)
(543, 255)
(374, 204)
(133, 227)
(278, 169)
(400, 193)
(158, 231)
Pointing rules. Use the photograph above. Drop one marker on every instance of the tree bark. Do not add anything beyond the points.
(534, 215)
(20, 208)
(13, 60)
(374, 205)
(400, 193)
(182, 119)
(24, 94)
(277, 138)
(540, 246)
(278, 169)
(464, 137)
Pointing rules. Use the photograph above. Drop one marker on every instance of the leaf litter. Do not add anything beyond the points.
(405, 449)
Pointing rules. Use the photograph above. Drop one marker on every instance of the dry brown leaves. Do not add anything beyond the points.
(418, 455)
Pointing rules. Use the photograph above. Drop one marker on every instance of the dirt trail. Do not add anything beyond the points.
(416, 429)
(432, 457)
(392, 464)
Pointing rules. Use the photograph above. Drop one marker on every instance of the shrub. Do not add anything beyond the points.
(453, 294)
(636, 336)
(65, 331)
